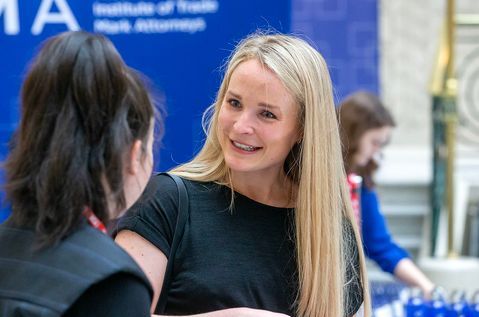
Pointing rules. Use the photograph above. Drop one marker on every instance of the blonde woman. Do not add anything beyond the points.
(269, 230)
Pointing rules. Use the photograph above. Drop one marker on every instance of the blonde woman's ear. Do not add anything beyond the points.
(134, 158)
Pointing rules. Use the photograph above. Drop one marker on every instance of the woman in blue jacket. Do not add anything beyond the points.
(366, 126)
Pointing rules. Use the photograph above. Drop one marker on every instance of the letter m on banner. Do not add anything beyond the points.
(9, 10)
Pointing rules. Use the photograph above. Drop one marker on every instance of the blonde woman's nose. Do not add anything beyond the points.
(244, 124)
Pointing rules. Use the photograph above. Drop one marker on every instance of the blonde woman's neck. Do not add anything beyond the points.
(277, 190)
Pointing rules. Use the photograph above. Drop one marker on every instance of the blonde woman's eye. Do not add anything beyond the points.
(268, 114)
(234, 103)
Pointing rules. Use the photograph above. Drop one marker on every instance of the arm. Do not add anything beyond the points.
(150, 259)
(153, 262)
(377, 241)
(410, 274)
(380, 246)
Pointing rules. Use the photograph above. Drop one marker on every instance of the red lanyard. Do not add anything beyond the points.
(93, 220)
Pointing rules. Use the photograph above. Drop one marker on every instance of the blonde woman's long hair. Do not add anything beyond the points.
(315, 165)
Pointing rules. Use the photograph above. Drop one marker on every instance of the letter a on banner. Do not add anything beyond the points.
(44, 16)
(11, 22)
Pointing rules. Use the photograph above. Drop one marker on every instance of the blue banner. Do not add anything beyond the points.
(346, 33)
(178, 44)
(181, 44)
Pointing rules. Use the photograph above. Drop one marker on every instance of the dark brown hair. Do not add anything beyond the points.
(81, 110)
(358, 113)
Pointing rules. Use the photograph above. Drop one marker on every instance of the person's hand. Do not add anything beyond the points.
(250, 312)
(428, 290)
(236, 312)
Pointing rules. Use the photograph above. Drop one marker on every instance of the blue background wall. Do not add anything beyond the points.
(181, 51)
(346, 33)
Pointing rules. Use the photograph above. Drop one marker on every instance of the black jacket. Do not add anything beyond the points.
(46, 283)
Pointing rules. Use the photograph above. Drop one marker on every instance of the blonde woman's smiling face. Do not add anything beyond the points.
(257, 121)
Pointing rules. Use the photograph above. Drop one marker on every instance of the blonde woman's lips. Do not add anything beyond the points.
(245, 147)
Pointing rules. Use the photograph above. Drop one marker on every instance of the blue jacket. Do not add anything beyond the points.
(377, 241)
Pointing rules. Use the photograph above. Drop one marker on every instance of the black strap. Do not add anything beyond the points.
(183, 214)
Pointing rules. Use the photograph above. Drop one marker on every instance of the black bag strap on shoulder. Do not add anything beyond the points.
(183, 213)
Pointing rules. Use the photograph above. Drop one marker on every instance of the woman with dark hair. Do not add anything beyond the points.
(82, 154)
(365, 128)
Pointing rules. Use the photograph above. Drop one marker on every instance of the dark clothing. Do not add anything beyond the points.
(50, 281)
(239, 258)
(118, 295)
(377, 241)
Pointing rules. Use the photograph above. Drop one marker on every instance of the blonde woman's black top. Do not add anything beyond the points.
(239, 258)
